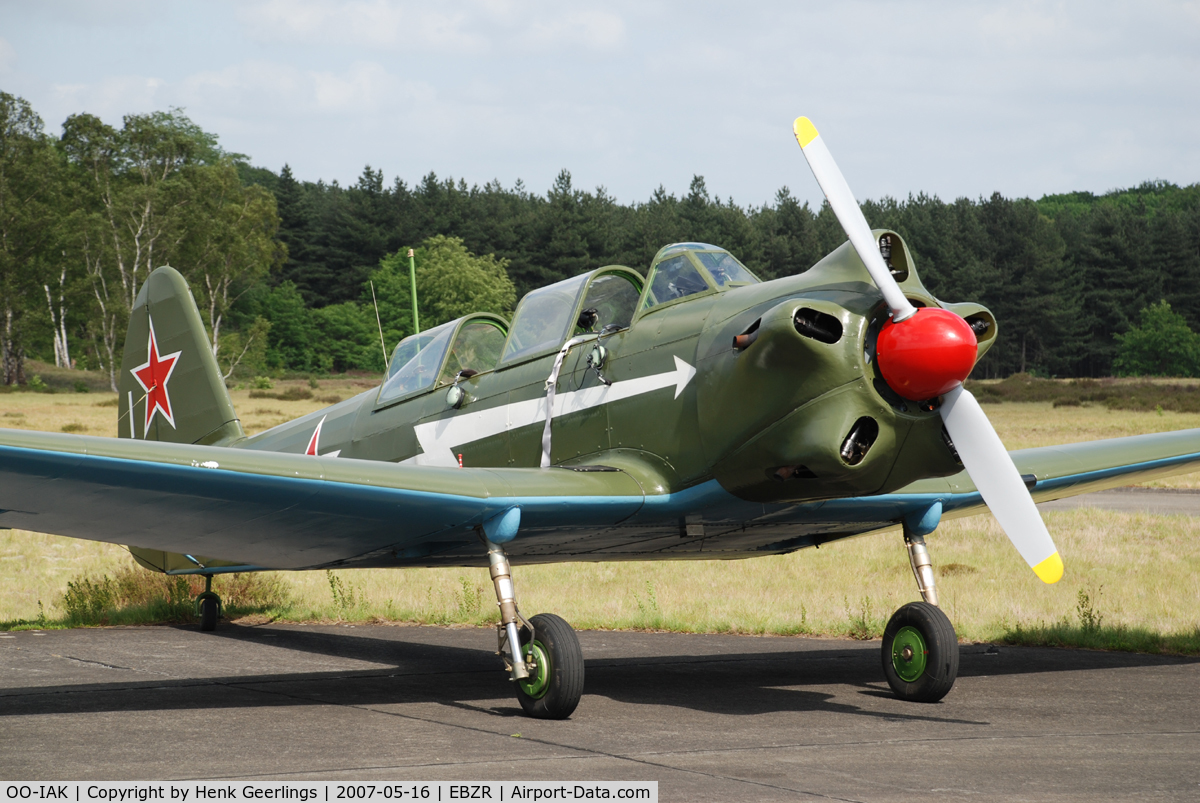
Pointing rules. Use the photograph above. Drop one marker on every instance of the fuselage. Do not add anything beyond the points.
(768, 387)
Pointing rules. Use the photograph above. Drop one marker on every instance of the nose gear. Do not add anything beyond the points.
(920, 647)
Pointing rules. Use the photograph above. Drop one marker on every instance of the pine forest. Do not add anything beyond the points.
(286, 273)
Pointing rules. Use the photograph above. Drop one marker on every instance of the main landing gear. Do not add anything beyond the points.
(920, 648)
(543, 657)
(208, 606)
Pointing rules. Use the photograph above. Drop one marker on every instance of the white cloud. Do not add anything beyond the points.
(254, 87)
(594, 29)
(363, 89)
(473, 28)
(112, 97)
(1025, 26)
(950, 98)
(8, 55)
(366, 23)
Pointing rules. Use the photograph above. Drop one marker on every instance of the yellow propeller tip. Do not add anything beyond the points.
(1050, 570)
(805, 131)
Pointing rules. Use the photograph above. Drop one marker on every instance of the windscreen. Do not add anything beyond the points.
(725, 269)
(416, 361)
(674, 278)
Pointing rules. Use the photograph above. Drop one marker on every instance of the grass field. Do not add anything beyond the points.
(1132, 582)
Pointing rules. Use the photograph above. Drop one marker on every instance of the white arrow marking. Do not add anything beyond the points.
(437, 438)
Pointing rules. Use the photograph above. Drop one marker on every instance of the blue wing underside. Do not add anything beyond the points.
(279, 511)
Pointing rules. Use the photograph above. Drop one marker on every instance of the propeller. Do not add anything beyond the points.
(929, 352)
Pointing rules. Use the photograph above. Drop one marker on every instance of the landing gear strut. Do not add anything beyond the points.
(922, 567)
(543, 656)
(208, 606)
(920, 648)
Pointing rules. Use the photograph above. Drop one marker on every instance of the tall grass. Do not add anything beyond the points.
(1115, 394)
(1088, 630)
(1132, 582)
(133, 595)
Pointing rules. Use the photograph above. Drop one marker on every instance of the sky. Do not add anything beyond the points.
(949, 98)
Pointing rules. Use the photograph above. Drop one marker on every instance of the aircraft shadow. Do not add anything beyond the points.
(822, 665)
(744, 684)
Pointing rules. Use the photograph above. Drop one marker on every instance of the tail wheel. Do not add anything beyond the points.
(554, 687)
(209, 605)
(920, 653)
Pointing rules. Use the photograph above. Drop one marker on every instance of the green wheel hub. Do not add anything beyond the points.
(909, 654)
(537, 684)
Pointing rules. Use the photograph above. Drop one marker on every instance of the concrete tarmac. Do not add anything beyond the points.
(1155, 501)
(710, 717)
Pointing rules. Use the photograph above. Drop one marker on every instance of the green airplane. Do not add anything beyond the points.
(691, 413)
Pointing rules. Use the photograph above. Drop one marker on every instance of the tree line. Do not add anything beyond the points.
(85, 216)
(288, 273)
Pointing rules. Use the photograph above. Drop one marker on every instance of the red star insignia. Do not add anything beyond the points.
(153, 376)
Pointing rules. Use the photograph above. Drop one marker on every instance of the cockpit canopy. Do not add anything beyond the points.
(602, 301)
(437, 356)
(688, 269)
(591, 302)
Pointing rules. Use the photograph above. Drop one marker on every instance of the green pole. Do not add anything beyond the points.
(412, 277)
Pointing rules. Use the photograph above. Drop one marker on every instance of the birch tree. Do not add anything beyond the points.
(140, 191)
(230, 244)
(28, 223)
(56, 301)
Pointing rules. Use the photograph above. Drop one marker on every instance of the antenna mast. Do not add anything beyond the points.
(380, 325)
(412, 277)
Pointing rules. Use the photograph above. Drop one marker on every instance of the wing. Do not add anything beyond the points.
(266, 510)
(280, 511)
(1051, 472)
(1079, 468)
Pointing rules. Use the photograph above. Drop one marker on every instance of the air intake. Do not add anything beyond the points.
(818, 325)
(860, 440)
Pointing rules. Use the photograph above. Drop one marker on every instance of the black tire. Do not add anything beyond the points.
(209, 608)
(556, 688)
(916, 625)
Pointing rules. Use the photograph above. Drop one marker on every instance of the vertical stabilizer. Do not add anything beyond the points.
(171, 388)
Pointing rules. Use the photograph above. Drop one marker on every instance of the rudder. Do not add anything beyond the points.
(171, 388)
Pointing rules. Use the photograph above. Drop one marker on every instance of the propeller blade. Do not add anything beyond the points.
(850, 215)
(934, 340)
(999, 482)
